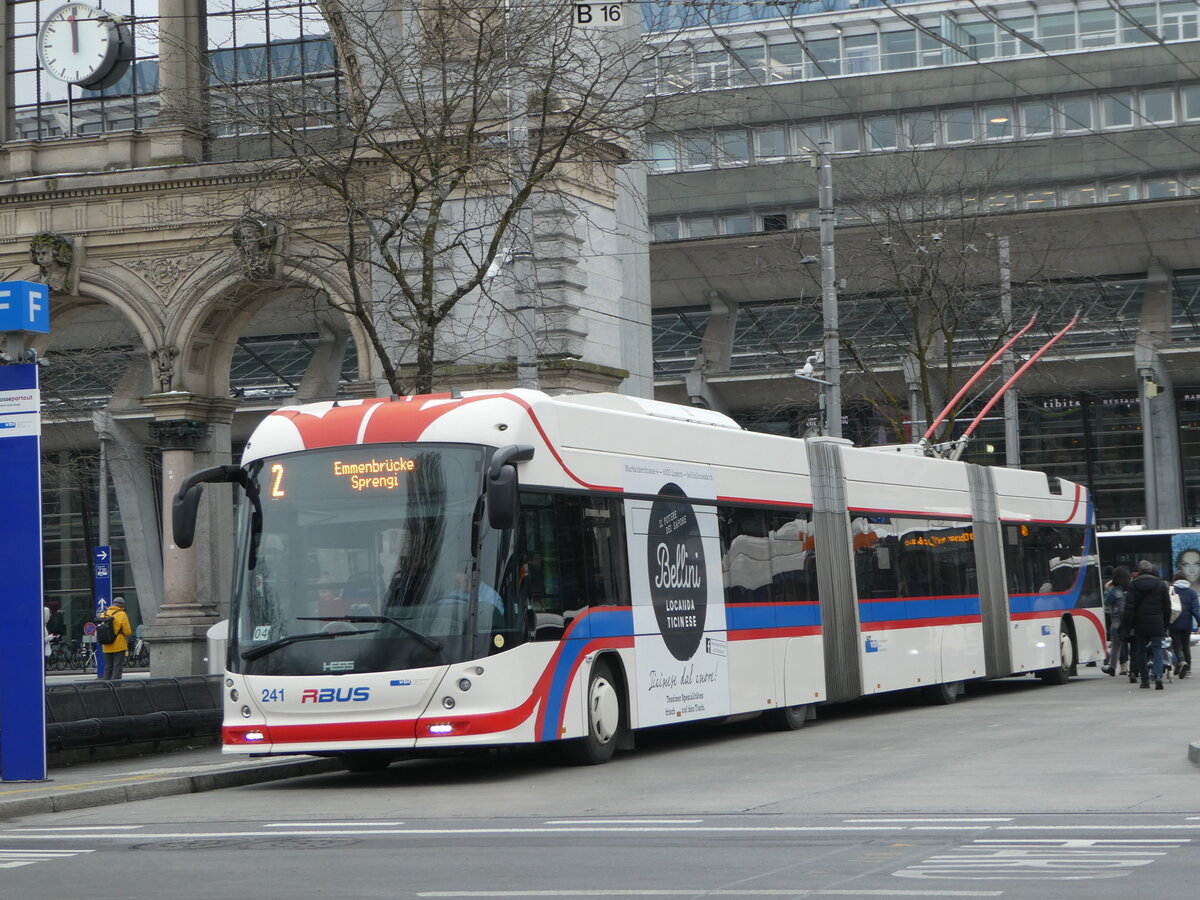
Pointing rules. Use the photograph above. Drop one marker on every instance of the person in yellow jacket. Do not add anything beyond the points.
(114, 653)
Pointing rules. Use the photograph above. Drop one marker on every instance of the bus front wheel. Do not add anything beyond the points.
(605, 720)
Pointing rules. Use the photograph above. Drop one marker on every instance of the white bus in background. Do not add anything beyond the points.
(510, 567)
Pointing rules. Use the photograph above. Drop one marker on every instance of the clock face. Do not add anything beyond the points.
(79, 44)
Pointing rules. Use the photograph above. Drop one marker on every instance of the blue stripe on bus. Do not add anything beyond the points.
(924, 608)
(597, 623)
(752, 617)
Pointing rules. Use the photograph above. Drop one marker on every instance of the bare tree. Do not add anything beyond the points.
(415, 170)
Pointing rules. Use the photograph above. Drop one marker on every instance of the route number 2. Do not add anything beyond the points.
(592, 15)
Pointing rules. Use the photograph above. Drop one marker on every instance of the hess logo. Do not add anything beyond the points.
(335, 695)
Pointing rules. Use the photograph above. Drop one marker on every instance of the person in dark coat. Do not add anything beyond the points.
(1181, 628)
(1147, 613)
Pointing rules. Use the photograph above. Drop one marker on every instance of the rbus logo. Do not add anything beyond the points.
(675, 553)
(335, 695)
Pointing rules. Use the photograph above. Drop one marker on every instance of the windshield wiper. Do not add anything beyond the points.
(256, 652)
(427, 641)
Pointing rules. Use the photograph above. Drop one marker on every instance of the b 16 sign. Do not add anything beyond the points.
(598, 15)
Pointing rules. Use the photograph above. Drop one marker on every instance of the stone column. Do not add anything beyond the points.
(193, 432)
(178, 135)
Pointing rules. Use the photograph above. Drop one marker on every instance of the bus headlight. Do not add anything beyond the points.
(448, 702)
(246, 712)
(464, 684)
(233, 695)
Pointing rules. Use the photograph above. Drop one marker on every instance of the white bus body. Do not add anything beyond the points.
(668, 566)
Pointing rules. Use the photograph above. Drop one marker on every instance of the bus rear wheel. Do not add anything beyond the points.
(1061, 674)
(785, 718)
(605, 720)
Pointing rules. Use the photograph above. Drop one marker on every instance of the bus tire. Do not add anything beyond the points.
(1061, 673)
(942, 694)
(785, 718)
(605, 720)
(360, 761)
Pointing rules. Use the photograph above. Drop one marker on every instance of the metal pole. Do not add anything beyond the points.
(102, 489)
(1149, 463)
(1012, 430)
(829, 299)
(523, 271)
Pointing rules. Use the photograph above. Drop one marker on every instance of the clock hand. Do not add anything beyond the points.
(74, 34)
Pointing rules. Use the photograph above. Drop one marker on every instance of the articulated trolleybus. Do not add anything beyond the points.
(509, 567)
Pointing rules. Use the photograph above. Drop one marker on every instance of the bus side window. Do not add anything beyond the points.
(793, 565)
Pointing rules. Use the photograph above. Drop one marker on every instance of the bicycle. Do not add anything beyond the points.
(138, 654)
(84, 656)
(60, 655)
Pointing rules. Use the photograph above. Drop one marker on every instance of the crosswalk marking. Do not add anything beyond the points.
(11, 859)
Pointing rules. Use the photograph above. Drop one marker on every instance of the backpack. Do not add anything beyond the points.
(106, 630)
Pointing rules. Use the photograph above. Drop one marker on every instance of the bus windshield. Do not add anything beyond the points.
(368, 558)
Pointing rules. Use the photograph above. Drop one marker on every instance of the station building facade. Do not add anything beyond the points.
(180, 315)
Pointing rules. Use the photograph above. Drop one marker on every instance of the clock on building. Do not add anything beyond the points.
(83, 45)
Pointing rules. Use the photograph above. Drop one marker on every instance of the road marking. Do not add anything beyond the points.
(939, 819)
(594, 829)
(703, 892)
(12, 859)
(331, 824)
(1086, 827)
(79, 828)
(623, 822)
(1067, 859)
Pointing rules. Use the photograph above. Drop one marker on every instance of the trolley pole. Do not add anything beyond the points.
(829, 298)
(1012, 431)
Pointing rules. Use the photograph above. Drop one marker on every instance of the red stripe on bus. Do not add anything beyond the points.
(897, 624)
(757, 634)
(1083, 613)
(397, 729)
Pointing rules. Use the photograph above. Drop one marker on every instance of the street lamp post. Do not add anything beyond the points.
(829, 299)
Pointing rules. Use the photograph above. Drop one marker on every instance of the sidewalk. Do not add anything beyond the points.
(144, 777)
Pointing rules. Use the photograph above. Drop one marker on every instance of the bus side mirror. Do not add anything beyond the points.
(187, 500)
(502, 498)
(183, 516)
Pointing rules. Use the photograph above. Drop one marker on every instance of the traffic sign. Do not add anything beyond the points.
(102, 566)
(89, 628)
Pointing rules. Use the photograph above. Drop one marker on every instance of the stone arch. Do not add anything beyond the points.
(218, 303)
(107, 286)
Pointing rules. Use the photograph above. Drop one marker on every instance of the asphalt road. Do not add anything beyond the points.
(1019, 791)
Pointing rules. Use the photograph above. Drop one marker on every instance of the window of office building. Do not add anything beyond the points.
(1190, 100)
(861, 53)
(770, 142)
(42, 107)
(1037, 119)
(1015, 36)
(785, 61)
(663, 155)
(881, 133)
(899, 49)
(920, 129)
(1177, 21)
(1075, 114)
(1097, 28)
(1057, 31)
(270, 58)
(1158, 106)
(997, 122)
(734, 146)
(698, 152)
(1116, 110)
(824, 58)
(959, 125)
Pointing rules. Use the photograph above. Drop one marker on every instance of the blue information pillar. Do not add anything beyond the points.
(24, 307)
(102, 569)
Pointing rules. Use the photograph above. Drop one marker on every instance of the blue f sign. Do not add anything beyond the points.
(24, 306)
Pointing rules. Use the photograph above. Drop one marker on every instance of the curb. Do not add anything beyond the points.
(1194, 753)
(163, 787)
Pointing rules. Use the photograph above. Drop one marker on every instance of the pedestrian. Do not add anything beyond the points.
(1147, 612)
(114, 653)
(1185, 614)
(1114, 607)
